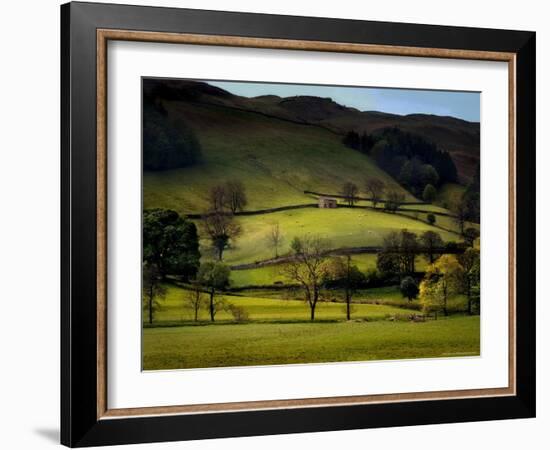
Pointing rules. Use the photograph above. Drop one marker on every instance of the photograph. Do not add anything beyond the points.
(293, 224)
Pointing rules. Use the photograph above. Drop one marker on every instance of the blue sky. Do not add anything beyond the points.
(463, 105)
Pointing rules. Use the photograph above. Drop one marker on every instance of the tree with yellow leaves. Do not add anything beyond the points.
(441, 281)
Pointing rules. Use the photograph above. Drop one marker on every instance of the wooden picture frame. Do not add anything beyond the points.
(86, 418)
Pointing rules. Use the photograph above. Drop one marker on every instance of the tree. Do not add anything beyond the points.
(431, 244)
(408, 172)
(367, 142)
(375, 190)
(431, 219)
(428, 176)
(307, 267)
(217, 198)
(394, 148)
(194, 299)
(352, 140)
(470, 236)
(475, 286)
(221, 228)
(170, 243)
(344, 274)
(275, 238)
(442, 280)
(238, 312)
(166, 144)
(469, 280)
(349, 192)
(235, 196)
(388, 264)
(388, 261)
(398, 254)
(472, 197)
(460, 210)
(429, 193)
(214, 277)
(152, 290)
(394, 200)
(430, 296)
(409, 288)
(408, 250)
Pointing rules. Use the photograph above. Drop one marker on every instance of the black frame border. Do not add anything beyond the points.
(79, 424)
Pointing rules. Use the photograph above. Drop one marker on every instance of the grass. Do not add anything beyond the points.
(343, 227)
(427, 207)
(226, 345)
(445, 222)
(391, 296)
(269, 309)
(272, 275)
(276, 160)
(261, 276)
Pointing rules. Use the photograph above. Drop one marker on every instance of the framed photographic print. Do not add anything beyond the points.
(276, 224)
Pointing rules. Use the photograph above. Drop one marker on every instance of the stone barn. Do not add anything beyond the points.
(327, 202)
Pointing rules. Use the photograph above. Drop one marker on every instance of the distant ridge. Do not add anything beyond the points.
(457, 136)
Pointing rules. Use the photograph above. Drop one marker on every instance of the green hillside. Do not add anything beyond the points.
(275, 159)
(269, 275)
(341, 227)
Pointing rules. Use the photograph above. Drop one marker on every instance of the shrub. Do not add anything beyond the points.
(409, 288)
(238, 312)
(431, 219)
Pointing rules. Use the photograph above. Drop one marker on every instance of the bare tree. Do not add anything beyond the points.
(214, 277)
(344, 273)
(432, 244)
(275, 238)
(218, 198)
(398, 254)
(308, 268)
(350, 191)
(194, 300)
(459, 207)
(375, 189)
(235, 196)
(394, 200)
(221, 228)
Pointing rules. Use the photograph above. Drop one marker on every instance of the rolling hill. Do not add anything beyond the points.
(458, 137)
(277, 160)
(279, 149)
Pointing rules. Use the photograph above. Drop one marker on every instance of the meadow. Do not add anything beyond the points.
(223, 345)
(274, 275)
(265, 307)
(276, 160)
(342, 227)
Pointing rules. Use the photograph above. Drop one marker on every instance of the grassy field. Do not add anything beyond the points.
(268, 275)
(445, 222)
(276, 160)
(427, 207)
(269, 309)
(272, 343)
(262, 276)
(343, 227)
